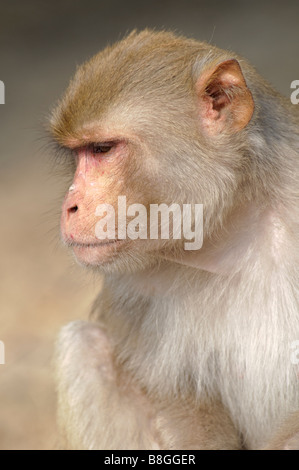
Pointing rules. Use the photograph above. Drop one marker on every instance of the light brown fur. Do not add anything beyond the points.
(184, 350)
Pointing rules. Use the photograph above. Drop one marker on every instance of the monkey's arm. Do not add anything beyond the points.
(93, 410)
(99, 410)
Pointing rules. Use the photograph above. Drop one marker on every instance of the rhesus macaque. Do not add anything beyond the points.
(184, 349)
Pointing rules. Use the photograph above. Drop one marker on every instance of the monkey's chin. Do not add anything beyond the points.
(96, 254)
(110, 257)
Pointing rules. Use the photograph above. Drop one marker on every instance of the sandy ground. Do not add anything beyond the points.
(41, 288)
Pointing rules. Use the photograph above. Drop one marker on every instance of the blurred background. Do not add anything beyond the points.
(41, 43)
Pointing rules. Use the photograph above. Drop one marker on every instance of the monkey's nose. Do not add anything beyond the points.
(73, 209)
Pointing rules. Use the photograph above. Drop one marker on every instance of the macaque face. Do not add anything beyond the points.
(149, 135)
(95, 163)
(106, 170)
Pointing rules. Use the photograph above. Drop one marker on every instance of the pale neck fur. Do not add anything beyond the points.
(223, 326)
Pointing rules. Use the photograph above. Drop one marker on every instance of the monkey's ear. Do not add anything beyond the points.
(225, 102)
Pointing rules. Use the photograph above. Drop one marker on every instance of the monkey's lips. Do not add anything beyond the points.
(95, 253)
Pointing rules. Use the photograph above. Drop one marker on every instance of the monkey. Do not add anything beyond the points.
(184, 349)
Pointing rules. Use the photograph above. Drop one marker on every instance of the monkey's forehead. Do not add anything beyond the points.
(149, 71)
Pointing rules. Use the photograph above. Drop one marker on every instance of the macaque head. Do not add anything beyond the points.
(154, 119)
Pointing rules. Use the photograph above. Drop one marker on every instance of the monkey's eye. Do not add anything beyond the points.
(101, 148)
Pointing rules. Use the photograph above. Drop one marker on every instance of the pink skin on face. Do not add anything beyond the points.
(89, 189)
